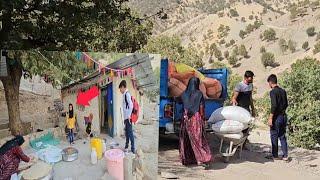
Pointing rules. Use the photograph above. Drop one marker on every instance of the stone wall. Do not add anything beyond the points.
(36, 103)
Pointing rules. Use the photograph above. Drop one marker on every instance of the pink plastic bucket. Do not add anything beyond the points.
(114, 159)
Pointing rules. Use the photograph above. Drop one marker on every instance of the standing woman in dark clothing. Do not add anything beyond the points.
(194, 148)
(10, 156)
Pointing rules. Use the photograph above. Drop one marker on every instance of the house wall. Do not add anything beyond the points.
(92, 108)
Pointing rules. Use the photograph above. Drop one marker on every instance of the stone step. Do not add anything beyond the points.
(4, 133)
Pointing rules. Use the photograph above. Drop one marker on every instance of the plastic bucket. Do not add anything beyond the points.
(114, 159)
(97, 144)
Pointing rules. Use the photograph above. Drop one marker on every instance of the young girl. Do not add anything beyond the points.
(71, 123)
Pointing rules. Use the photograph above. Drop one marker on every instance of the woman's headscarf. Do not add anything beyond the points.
(16, 141)
(70, 112)
(192, 96)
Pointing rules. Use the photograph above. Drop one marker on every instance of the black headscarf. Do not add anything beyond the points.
(192, 97)
(16, 141)
(71, 112)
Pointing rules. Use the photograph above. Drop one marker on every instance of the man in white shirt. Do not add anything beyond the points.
(127, 107)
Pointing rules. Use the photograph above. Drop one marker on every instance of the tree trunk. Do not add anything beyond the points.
(11, 85)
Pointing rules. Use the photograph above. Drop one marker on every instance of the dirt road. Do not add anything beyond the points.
(305, 164)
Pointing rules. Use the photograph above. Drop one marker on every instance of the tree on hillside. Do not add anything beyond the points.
(233, 60)
(269, 35)
(292, 45)
(242, 34)
(283, 45)
(172, 48)
(316, 48)
(90, 25)
(262, 49)
(226, 54)
(243, 51)
(303, 89)
(234, 13)
(311, 31)
(305, 46)
(235, 51)
(268, 59)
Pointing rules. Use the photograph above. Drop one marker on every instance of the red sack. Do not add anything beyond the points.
(214, 92)
(203, 90)
(171, 69)
(176, 87)
(183, 77)
(135, 111)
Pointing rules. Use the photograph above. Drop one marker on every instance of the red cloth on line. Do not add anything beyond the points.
(9, 162)
(84, 97)
(194, 147)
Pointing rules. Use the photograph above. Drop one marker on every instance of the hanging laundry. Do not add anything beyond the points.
(84, 97)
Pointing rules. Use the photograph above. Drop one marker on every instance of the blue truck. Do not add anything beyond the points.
(171, 110)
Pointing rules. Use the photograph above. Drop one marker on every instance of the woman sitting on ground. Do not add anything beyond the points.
(10, 156)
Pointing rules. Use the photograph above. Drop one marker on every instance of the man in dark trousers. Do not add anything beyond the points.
(278, 119)
(242, 95)
(127, 107)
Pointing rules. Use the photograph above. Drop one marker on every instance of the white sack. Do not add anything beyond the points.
(234, 113)
(228, 127)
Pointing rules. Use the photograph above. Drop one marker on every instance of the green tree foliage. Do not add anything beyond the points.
(318, 36)
(232, 42)
(311, 31)
(263, 49)
(66, 25)
(242, 34)
(90, 25)
(172, 48)
(243, 51)
(303, 89)
(233, 60)
(316, 48)
(235, 51)
(251, 17)
(223, 31)
(283, 45)
(305, 45)
(292, 45)
(268, 59)
(234, 13)
(226, 54)
(269, 35)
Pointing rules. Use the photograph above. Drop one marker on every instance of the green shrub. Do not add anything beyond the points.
(235, 51)
(232, 42)
(234, 13)
(305, 45)
(269, 34)
(292, 45)
(268, 59)
(318, 37)
(283, 45)
(263, 49)
(226, 54)
(233, 60)
(311, 31)
(316, 48)
(303, 89)
(243, 51)
(242, 34)
(251, 17)
(243, 19)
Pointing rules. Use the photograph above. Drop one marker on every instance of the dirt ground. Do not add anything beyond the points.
(305, 164)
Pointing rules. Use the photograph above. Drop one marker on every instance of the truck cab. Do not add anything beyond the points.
(171, 110)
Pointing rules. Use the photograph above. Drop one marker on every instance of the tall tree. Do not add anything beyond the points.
(57, 25)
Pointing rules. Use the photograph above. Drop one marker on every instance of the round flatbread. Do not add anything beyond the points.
(37, 171)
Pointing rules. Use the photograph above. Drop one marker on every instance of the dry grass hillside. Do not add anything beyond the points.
(197, 23)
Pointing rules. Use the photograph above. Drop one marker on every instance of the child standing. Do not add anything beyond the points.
(71, 123)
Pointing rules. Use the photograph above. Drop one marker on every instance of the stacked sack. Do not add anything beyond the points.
(179, 76)
(230, 121)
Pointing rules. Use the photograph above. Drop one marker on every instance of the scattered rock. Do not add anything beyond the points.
(168, 175)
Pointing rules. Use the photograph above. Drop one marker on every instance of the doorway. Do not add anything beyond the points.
(107, 124)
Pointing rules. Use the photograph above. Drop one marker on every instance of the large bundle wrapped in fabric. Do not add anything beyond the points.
(183, 68)
(235, 113)
(180, 73)
(176, 87)
(228, 127)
